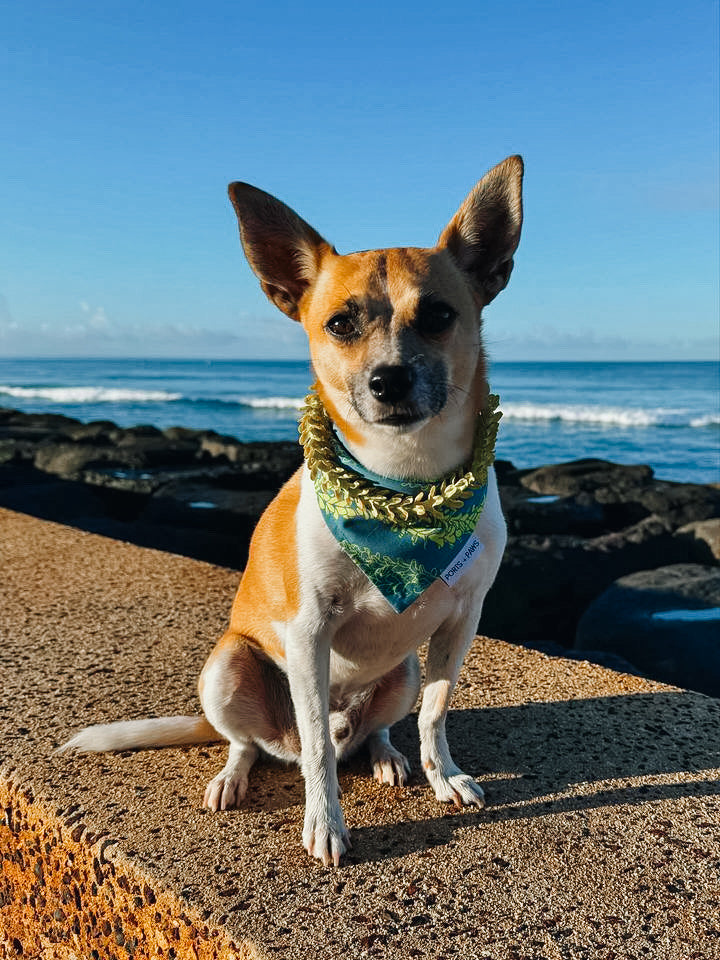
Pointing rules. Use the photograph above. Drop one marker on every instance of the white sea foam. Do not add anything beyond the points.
(604, 416)
(89, 394)
(272, 403)
(711, 420)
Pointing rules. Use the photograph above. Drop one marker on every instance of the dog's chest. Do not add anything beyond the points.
(368, 636)
(372, 638)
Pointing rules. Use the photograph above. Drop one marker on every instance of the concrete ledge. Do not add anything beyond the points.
(601, 838)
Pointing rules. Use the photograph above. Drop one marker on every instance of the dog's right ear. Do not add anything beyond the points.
(283, 250)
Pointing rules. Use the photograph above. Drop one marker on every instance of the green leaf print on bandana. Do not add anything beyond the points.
(391, 575)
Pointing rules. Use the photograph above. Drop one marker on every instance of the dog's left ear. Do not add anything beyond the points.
(483, 235)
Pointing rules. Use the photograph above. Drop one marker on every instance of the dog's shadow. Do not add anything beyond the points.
(532, 760)
(547, 758)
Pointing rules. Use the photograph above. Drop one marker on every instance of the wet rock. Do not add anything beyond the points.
(13, 450)
(185, 433)
(127, 436)
(216, 445)
(681, 503)
(665, 621)
(36, 424)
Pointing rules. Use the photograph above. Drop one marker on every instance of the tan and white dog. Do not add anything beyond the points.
(316, 662)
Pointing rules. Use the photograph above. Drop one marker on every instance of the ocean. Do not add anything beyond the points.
(663, 414)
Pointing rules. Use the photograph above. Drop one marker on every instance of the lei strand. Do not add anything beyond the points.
(429, 505)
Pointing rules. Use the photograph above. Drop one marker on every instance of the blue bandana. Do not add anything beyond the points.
(403, 535)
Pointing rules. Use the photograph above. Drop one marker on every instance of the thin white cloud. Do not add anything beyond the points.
(550, 343)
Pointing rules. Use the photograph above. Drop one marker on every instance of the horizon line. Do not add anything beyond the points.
(209, 359)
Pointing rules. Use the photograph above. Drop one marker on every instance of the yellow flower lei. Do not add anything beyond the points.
(346, 486)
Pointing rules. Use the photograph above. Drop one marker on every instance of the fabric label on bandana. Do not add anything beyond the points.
(462, 563)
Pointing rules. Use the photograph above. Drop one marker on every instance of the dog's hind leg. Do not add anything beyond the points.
(248, 698)
(228, 788)
(392, 699)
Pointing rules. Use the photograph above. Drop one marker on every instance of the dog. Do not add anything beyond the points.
(318, 660)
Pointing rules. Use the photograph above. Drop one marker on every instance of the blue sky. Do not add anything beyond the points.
(123, 122)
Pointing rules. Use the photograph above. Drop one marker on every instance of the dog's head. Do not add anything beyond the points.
(394, 334)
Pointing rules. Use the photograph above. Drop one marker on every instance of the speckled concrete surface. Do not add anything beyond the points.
(601, 838)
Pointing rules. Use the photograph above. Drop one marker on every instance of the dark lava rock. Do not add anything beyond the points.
(68, 460)
(550, 514)
(36, 423)
(546, 582)
(196, 505)
(665, 621)
(626, 494)
(97, 432)
(156, 488)
(566, 479)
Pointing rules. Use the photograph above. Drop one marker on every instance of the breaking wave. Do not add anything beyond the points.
(81, 395)
(606, 416)
(91, 395)
(271, 403)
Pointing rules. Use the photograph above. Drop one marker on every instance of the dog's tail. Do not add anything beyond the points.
(141, 734)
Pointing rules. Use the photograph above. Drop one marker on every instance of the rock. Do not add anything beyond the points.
(186, 433)
(98, 431)
(551, 514)
(546, 582)
(69, 460)
(37, 423)
(13, 450)
(216, 445)
(626, 494)
(577, 476)
(681, 503)
(193, 505)
(127, 436)
(72, 460)
(664, 621)
(705, 533)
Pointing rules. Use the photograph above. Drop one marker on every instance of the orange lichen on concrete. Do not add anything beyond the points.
(68, 894)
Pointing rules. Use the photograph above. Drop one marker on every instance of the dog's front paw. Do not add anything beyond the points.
(325, 836)
(458, 788)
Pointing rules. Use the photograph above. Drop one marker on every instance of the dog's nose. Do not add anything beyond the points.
(389, 384)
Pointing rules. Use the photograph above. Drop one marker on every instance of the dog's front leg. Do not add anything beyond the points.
(446, 652)
(325, 835)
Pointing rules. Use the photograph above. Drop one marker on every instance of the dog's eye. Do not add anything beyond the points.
(435, 317)
(341, 326)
